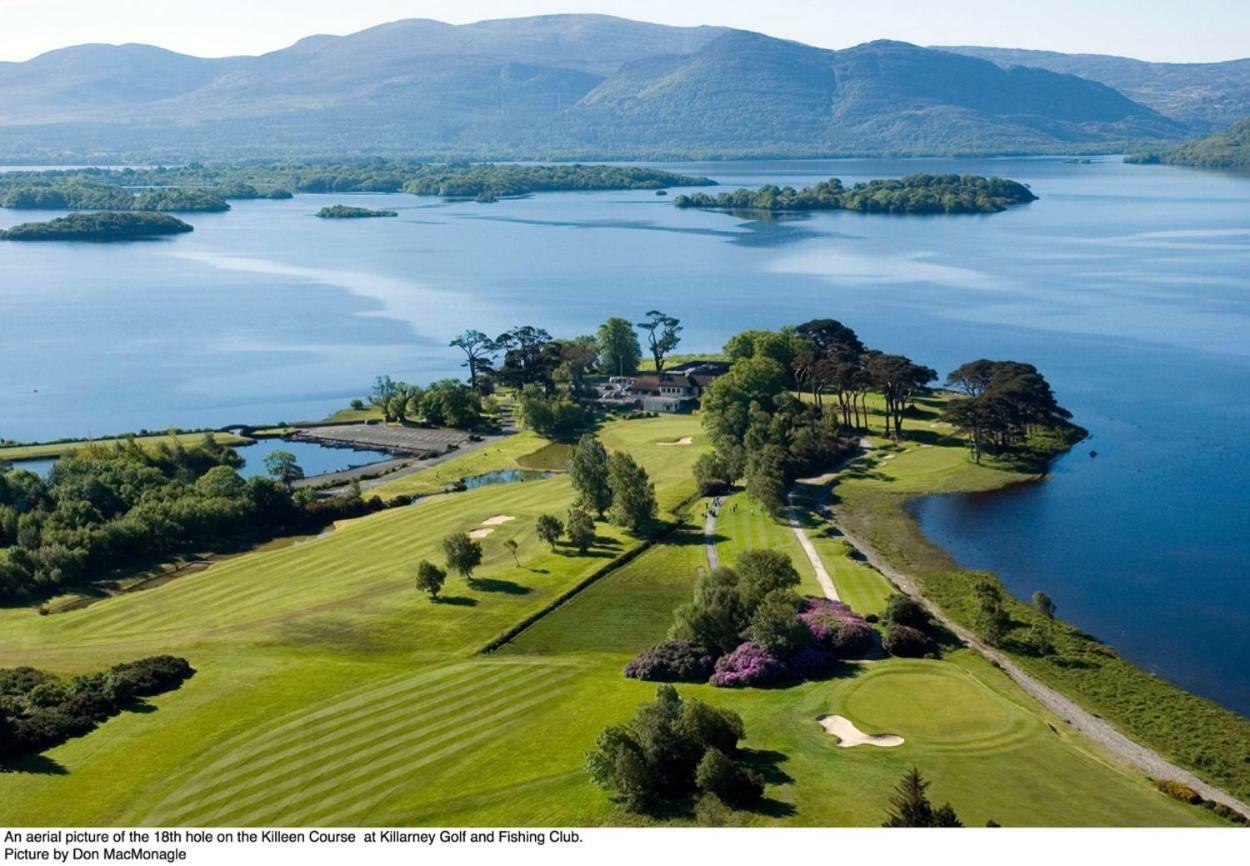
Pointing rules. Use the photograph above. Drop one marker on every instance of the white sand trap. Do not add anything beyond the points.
(685, 440)
(497, 520)
(850, 736)
(889, 457)
(481, 533)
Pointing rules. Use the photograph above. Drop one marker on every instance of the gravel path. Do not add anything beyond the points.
(1097, 729)
(826, 582)
(1081, 720)
(709, 533)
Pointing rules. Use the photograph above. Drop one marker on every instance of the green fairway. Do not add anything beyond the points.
(329, 691)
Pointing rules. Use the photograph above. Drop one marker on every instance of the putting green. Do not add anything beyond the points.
(934, 704)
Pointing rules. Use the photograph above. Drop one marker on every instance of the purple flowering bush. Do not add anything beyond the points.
(749, 665)
(672, 661)
(837, 629)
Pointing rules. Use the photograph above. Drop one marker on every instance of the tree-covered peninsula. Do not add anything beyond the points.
(206, 187)
(78, 193)
(1227, 149)
(102, 226)
(914, 194)
(347, 212)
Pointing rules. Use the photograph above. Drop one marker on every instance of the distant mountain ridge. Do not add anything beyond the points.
(554, 86)
(1206, 96)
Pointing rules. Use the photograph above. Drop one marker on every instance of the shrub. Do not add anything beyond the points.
(776, 625)
(672, 660)
(152, 675)
(728, 780)
(761, 572)
(904, 610)
(749, 665)
(1226, 812)
(656, 756)
(1179, 791)
(836, 628)
(907, 642)
(39, 711)
(714, 617)
(712, 728)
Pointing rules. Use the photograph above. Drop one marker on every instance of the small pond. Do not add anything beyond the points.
(504, 476)
(313, 458)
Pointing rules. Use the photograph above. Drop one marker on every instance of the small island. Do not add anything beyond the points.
(914, 194)
(102, 226)
(346, 212)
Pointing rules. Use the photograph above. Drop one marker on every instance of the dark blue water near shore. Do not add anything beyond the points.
(1128, 285)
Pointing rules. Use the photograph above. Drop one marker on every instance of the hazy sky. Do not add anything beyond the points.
(1176, 30)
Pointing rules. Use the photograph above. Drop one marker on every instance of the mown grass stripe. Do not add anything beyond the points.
(367, 764)
(325, 775)
(260, 748)
(366, 731)
(373, 779)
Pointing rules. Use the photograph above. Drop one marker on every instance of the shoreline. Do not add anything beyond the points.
(1153, 753)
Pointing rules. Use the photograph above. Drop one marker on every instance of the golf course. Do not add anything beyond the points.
(329, 691)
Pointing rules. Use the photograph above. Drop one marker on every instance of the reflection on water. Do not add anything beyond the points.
(1127, 285)
(503, 476)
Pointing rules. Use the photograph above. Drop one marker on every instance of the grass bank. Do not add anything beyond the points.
(872, 498)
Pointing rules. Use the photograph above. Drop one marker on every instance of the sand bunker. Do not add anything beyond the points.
(850, 736)
(481, 533)
(497, 520)
(685, 440)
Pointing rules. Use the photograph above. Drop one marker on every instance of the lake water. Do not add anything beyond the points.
(1127, 285)
(312, 457)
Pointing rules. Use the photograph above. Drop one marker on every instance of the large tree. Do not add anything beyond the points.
(282, 466)
(463, 554)
(663, 335)
(619, 350)
(529, 356)
(1004, 401)
(633, 494)
(588, 471)
(899, 379)
(479, 350)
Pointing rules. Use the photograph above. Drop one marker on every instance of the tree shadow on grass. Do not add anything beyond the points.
(38, 765)
(456, 601)
(607, 541)
(933, 437)
(494, 584)
(767, 763)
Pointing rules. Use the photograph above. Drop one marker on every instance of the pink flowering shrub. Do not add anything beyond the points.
(837, 629)
(749, 665)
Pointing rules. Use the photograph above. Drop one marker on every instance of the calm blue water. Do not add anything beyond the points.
(1127, 285)
(313, 458)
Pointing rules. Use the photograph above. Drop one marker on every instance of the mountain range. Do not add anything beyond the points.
(592, 86)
